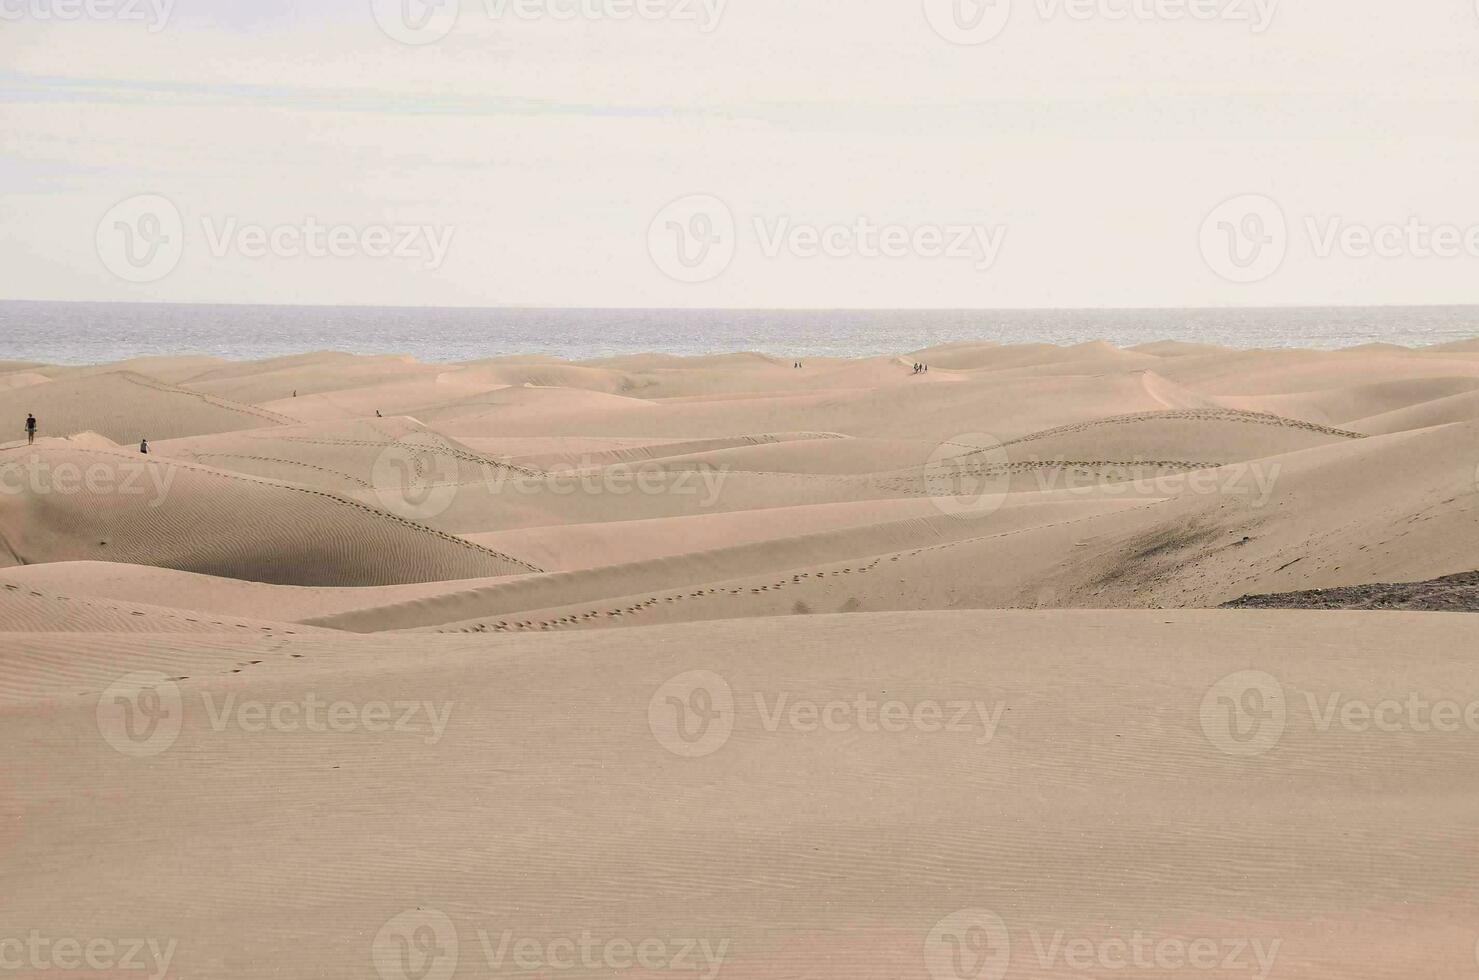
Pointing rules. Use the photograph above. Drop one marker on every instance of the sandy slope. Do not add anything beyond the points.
(192, 591)
(157, 511)
(647, 475)
(999, 531)
(126, 406)
(1097, 800)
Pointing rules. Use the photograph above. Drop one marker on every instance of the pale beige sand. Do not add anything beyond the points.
(1099, 806)
(126, 406)
(158, 511)
(728, 467)
(1037, 526)
(142, 585)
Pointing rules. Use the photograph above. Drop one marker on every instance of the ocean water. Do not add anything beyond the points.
(82, 333)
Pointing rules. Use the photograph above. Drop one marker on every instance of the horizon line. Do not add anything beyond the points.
(745, 309)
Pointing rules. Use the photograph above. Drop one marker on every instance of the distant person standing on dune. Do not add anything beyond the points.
(30, 429)
(144, 446)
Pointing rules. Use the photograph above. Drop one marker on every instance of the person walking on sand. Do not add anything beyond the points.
(30, 429)
(144, 446)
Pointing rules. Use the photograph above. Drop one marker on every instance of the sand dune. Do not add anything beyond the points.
(27, 608)
(22, 379)
(126, 406)
(307, 379)
(167, 369)
(672, 449)
(1460, 407)
(1090, 798)
(74, 504)
(570, 546)
(1034, 532)
(758, 470)
(1217, 435)
(140, 585)
(1346, 403)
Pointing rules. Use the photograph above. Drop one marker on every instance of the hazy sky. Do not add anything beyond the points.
(821, 153)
